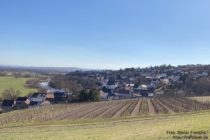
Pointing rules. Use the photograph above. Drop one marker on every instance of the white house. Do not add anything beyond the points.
(165, 81)
(143, 87)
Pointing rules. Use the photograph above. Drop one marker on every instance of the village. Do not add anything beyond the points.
(150, 82)
(115, 85)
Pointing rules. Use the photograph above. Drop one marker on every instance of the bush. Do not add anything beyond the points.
(89, 96)
(94, 95)
(83, 96)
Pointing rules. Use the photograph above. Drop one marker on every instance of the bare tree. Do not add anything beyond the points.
(10, 94)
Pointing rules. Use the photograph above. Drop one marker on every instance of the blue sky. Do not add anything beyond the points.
(104, 33)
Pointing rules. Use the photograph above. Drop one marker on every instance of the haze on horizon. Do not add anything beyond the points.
(108, 34)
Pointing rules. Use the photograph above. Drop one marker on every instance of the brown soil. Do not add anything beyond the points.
(135, 111)
(151, 107)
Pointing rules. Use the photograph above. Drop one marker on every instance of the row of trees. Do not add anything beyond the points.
(74, 83)
(189, 87)
(83, 87)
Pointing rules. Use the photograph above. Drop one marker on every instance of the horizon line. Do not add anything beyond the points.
(86, 68)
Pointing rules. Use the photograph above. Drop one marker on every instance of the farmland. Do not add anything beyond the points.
(203, 99)
(132, 128)
(133, 119)
(107, 109)
(16, 83)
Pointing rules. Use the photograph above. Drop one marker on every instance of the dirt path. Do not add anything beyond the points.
(64, 115)
(119, 112)
(144, 107)
(111, 109)
(178, 105)
(151, 107)
(81, 114)
(78, 112)
(135, 111)
(169, 110)
(98, 111)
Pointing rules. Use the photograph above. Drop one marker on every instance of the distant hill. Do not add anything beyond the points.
(39, 69)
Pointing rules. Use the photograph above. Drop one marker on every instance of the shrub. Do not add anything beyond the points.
(89, 96)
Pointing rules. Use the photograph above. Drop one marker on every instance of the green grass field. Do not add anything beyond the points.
(16, 83)
(153, 127)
